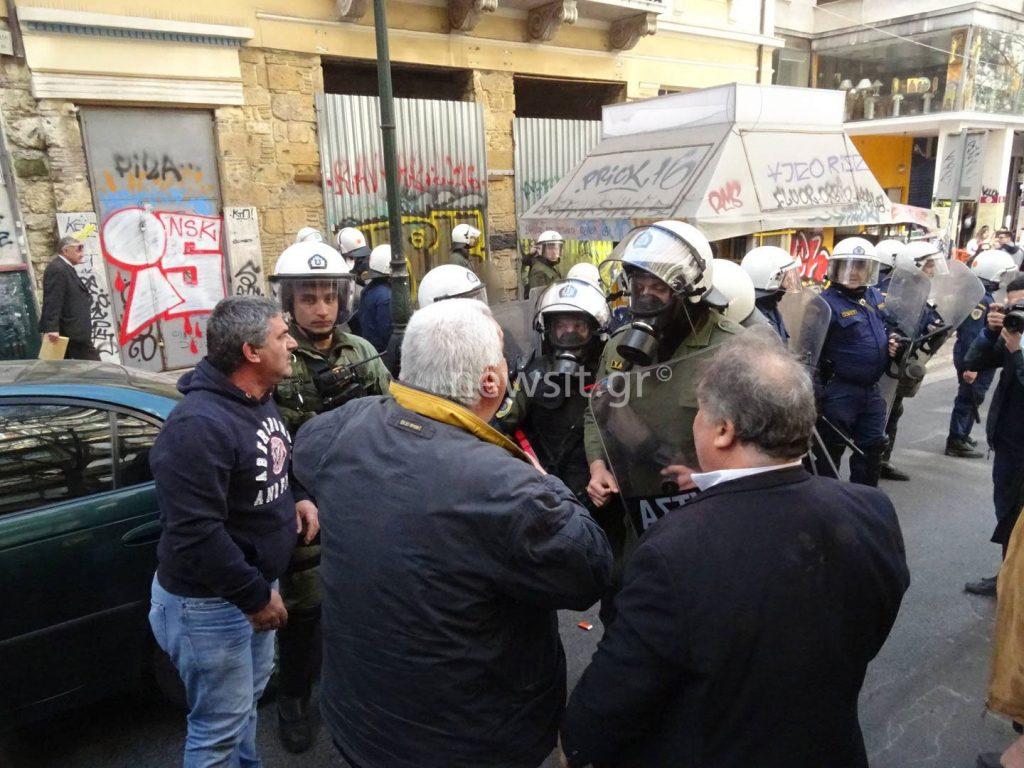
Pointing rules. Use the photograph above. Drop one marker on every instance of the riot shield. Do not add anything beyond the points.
(905, 305)
(645, 420)
(954, 296)
(522, 342)
(905, 301)
(807, 317)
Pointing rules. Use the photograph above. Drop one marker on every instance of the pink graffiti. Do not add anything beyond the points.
(174, 264)
(726, 197)
(366, 176)
(813, 256)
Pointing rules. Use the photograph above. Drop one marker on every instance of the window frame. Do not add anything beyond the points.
(112, 410)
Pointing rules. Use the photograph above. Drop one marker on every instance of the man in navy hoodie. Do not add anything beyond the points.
(222, 467)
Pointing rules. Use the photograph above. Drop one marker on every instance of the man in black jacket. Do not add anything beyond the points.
(999, 347)
(66, 302)
(445, 554)
(746, 621)
(229, 520)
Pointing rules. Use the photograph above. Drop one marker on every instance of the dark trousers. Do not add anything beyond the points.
(300, 651)
(81, 350)
(891, 426)
(969, 398)
(855, 412)
(1007, 491)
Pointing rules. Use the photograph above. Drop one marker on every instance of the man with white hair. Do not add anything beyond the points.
(445, 554)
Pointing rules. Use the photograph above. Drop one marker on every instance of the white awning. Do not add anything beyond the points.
(732, 160)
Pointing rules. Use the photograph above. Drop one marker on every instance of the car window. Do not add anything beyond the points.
(51, 453)
(134, 439)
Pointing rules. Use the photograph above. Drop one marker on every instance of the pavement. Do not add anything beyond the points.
(922, 704)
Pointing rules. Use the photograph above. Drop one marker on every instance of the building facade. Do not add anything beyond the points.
(186, 144)
(934, 97)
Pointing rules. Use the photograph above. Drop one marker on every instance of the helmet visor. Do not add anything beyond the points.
(787, 279)
(551, 251)
(934, 265)
(853, 273)
(568, 330)
(315, 305)
(648, 294)
(663, 254)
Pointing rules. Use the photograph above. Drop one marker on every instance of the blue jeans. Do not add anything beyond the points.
(225, 666)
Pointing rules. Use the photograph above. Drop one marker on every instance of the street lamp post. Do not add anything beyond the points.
(401, 302)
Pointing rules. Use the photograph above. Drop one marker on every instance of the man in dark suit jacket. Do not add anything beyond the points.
(747, 619)
(66, 302)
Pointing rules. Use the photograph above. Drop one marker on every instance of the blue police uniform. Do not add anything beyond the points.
(375, 313)
(969, 397)
(854, 358)
(769, 307)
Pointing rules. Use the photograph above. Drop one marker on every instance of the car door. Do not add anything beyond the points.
(78, 532)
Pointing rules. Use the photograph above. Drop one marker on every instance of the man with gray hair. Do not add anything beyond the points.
(445, 553)
(747, 619)
(229, 521)
(67, 303)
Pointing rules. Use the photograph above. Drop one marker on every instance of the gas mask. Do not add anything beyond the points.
(651, 301)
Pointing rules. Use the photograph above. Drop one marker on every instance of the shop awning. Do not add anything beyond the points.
(733, 160)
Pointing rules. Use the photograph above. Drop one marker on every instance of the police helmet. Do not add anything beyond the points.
(735, 283)
(995, 266)
(924, 255)
(586, 272)
(312, 264)
(571, 299)
(380, 261)
(309, 234)
(450, 281)
(887, 250)
(853, 263)
(771, 269)
(352, 244)
(465, 234)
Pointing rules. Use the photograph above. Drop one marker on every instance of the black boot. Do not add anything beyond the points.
(961, 449)
(889, 471)
(971, 441)
(985, 587)
(298, 722)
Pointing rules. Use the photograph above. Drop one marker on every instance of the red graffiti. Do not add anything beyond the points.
(366, 176)
(726, 197)
(173, 262)
(807, 248)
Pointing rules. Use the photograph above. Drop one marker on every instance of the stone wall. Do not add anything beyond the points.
(48, 158)
(269, 155)
(495, 93)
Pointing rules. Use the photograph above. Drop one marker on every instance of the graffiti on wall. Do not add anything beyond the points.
(162, 180)
(245, 260)
(82, 225)
(808, 247)
(169, 265)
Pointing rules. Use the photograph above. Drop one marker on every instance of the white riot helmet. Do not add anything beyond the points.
(465, 234)
(675, 253)
(551, 244)
(380, 261)
(309, 234)
(570, 315)
(995, 266)
(853, 263)
(586, 272)
(352, 244)
(450, 281)
(887, 251)
(924, 255)
(734, 282)
(771, 269)
(312, 272)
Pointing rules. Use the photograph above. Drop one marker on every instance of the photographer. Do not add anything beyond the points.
(999, 346)
(330, 367)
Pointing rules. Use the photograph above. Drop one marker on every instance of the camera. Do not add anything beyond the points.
(1013, 318)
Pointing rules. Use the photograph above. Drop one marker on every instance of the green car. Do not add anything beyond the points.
(78, 532)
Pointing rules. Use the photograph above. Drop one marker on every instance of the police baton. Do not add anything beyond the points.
(843, 437)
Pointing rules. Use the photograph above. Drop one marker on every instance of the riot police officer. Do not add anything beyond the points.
(668, 271)
(375, 303)
(464, 238)
(993, 268)
(544, 267)
(855, 356)
(927, 257)
(355, 250)
(774, 272)
(314, 285)
(887, 251)
(549, 397)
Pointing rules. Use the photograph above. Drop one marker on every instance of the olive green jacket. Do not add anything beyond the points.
(296, 396)
(542, 274)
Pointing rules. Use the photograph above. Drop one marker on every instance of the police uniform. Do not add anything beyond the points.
(542, 274)
(769, 307)
(854, 358)
(666, 410)
(969, 397)
(459, 256)
(550, 412)
(298, 401)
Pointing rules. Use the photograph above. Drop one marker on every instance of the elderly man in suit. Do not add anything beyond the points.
(747, 620)
(66, 302)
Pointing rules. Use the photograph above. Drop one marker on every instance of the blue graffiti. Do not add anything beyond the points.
(158, 198)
